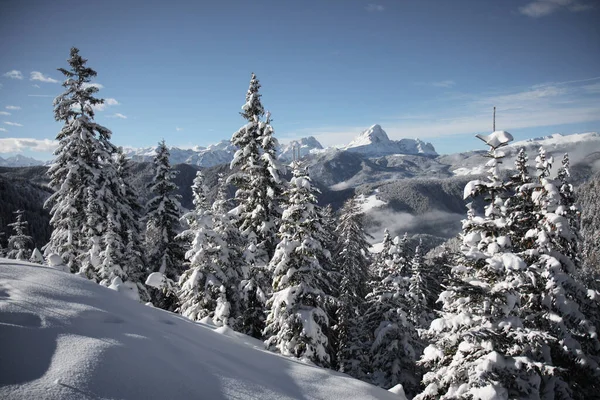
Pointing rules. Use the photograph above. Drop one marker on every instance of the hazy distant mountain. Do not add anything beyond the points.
(19, 161)
(303, 147)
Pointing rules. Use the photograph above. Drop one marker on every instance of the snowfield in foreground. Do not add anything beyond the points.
(63, 337)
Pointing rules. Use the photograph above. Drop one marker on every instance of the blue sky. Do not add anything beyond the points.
(179, 70)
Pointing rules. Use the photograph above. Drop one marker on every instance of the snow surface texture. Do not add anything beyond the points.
(64, 337)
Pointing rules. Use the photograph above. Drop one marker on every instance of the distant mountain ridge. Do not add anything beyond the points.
(19, 161)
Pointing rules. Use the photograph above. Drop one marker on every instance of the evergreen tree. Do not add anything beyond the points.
(420, 314)
(520, 206)
(129, 214)
(112, 255)
(162, 221)
(589, 201)
(386, 245)
(480, 346)
(393, 338)
(562, 308)
(19, 243)
(297, 323)
(259, 189)
(210, 287)
(84, 149)
(352, 258)
(3, 250)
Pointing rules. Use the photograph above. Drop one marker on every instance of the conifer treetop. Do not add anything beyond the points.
(78, 98)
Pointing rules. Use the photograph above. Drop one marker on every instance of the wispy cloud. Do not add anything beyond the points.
(444, 84)
(40, 95)
(38, 76)
(3, 130)
(12, 123)
(541, 8)
(178, 129)
(14, 74)
(539, 105)
(4, 113)
(119, 115)
(107, 103)
(17, 145)
(13, 107)
(35, 85)
(96, 85)
(372, 7)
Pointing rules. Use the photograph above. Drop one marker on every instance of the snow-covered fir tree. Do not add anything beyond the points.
(259, 188)
(480, 346)
(392, 337)
(562, 307)
(165, 254)
(111, 255)
(210, 287)
(520, 207)
(297, 324)
(19, 243)
(379, 262)
(353, 261)
(420, 314)
(129, 215)
(589, 201)
(84, 149)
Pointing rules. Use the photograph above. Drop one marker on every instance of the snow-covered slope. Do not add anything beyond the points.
(374, 142)
(63, 337)
(19, 161)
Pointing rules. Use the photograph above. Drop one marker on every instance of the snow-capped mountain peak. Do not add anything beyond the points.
(374, 142)
(375, 134)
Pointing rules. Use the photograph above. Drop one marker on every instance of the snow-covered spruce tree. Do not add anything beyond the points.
(83, 149)
(420, 314)
(19, 243)
(563, 308)
(353, 261)
(259, 189)
(297, 324)
(589, 202)
(92, 230)
(480, 346)
(520, 206)
(111, 255)
(210, 287)
(392, 337)
(165, 254)
(386, 245)
(129, 214)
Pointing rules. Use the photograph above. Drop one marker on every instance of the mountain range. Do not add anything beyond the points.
(406, 186)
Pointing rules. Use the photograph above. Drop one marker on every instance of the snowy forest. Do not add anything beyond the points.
(511, 312)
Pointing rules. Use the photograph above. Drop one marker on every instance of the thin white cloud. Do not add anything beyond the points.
(119, 115)
(38, 76)
(14, 74)
(35, 85)
(178, 129)
(107, 103)
(13, 107)
(444, 84)
(539, 105)
(96, 85)
(12, 123)
(4, 113)
(40, 95)
(542, 8)
(17, 145)
(372, 7)
(3, 130)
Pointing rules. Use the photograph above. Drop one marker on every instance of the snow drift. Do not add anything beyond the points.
(63, 337)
